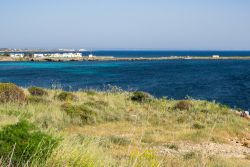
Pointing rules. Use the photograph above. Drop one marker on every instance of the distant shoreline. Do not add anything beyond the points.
(110, 58)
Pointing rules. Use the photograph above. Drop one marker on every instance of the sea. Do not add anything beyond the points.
(223, 81)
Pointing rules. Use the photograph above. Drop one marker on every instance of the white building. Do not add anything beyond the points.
(17, 55)
(82, 50)
(216, 56)
(38, 55)
(65, 55)
(91, 55)
(67, 50)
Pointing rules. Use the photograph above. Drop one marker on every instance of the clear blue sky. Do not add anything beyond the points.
(126, 24)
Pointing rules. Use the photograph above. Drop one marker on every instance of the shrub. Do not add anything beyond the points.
(66, 106)
(36, 99)
(26, 143)
(183, 105)
(36, 91)
(11, 93)
(67, 96)
(97, 104)
(119, 140)
(90, 92)
(189, 155)
(141, 97)
(198, 126)
(85, 113)
(172, 146)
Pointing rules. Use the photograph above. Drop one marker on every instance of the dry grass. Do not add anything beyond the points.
(141, 126)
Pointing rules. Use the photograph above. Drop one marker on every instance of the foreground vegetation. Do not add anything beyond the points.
(41, 127)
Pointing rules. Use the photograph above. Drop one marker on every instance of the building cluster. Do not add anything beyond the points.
(17, 55)
(216, 56)
(46, 55)
(60, 55)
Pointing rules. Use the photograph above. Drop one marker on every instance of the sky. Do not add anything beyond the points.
(126, 24)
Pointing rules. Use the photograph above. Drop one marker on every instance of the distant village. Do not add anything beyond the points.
(42, 53)
(46, 55)
(79, 55)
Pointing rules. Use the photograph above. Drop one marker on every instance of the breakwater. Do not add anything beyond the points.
(110, 58)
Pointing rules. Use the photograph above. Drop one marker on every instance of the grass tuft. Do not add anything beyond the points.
(119, 140)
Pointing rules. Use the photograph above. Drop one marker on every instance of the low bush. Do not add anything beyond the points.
(119, 140)
(37, 99)
(36, 91)
(67, 96)
(172, 146)
(198, 126)
(85, 113)
(97, 104)
(90, 92)
(183, 105)
(26, 144)
(11, 93)
(140, 96)
(189, 155)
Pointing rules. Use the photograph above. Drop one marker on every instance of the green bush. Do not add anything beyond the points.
(37, 99)
(67, 96)
(36, 91)
(11, 93)
(84, 112)
(141, 97)
(26, 143)
(183, 105)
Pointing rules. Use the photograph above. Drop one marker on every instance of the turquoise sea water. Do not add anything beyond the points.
(225, 81)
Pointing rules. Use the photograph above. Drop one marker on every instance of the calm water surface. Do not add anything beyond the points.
(226, 81)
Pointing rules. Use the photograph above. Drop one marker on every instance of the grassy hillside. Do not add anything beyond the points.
(118, 128)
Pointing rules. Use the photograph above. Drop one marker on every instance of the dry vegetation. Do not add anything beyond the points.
(118, 128)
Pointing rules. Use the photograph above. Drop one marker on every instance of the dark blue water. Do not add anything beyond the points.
(139, 53)
(226, 81)
(166, 53)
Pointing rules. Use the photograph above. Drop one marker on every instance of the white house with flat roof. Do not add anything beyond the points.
(17, 55)
(82, 50)
(36, 55)
(216, 56)
(65, 55)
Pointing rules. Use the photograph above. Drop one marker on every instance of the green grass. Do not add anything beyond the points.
(109, 128)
